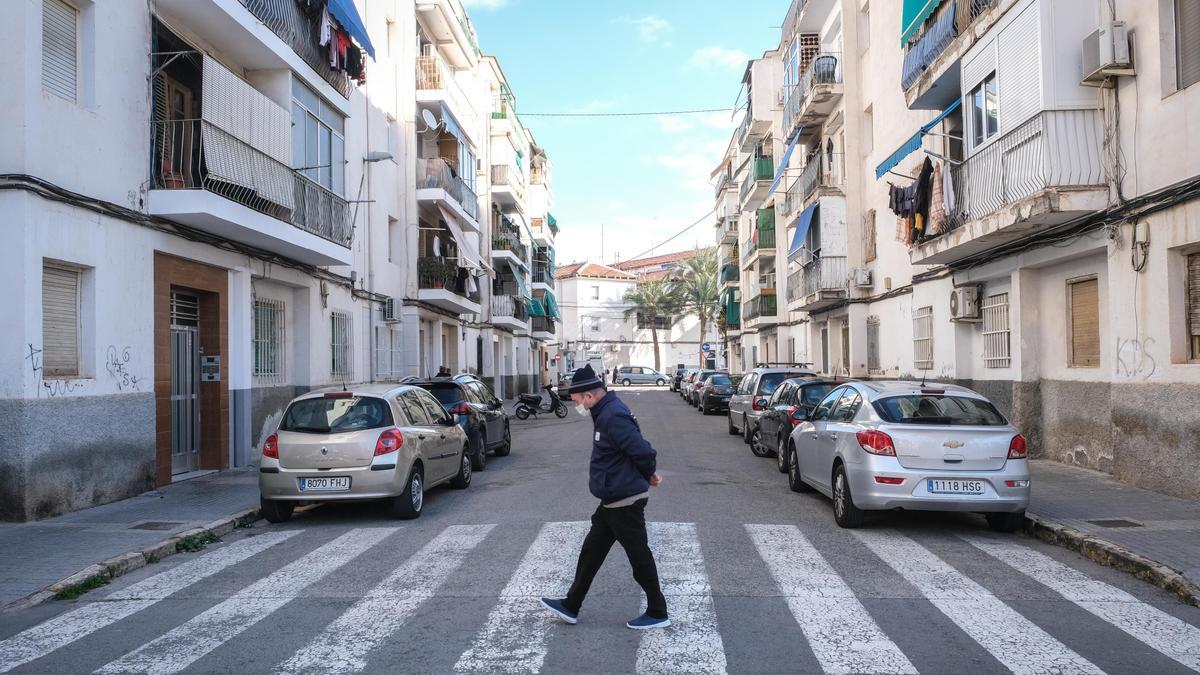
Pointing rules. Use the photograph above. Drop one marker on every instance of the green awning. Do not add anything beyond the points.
(551, 306)
(535, 308)
(915, 13)
(522, 287)
(733, 310)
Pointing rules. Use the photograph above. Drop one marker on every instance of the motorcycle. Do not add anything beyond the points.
(532, 404)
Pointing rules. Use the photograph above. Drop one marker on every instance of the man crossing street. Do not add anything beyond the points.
(621, 473)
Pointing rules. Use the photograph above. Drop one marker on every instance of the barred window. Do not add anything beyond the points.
(339, 345)
(268, 340)
(873, 344)
(387, 352)
(923, 338)
(996, 331)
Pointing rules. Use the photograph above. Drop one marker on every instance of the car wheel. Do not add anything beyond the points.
(408, 504)
(660, 382)
(781, 457)
(479, 457)
(521, 413)
(845, 513)
(276, 511)
(746, 433)
(462, 480)
(625, 382)
(1005, 522)
(795, 480)
(756, 444)
(733, 431)
(506, 447)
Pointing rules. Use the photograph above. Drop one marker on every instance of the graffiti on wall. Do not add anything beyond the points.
(53, 387)
(1134, 358)
(118, 366)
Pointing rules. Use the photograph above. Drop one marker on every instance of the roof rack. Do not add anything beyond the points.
(783, 364)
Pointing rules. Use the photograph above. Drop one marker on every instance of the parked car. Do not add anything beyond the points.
(903, 445)
(677, 377)
(630, 375)
(683, 382)
(714, 395)
(389, 442)
(793, 401)
(759, 383)
(693, 385)
(484, 419)
(701, 382)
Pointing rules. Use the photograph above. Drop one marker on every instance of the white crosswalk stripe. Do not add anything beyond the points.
(840, 631)
(185, 644)
(343, 646)
(1013, 640)
(68, 627)
(513, 639)
(1154, 627)
(692, 644)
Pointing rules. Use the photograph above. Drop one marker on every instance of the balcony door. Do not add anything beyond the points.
(177, 155)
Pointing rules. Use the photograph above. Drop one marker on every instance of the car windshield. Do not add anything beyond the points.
(812, 394)
(939, 409)
(328, 415)
(719, 380)
(771, 381)
(446, 394)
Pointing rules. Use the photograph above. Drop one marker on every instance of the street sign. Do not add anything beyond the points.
(707, 346)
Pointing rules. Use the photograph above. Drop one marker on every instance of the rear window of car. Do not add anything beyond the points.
(446, 394)
(813, 394)
(939, 409)
(720, 380)
(769, 382)
(331, 415)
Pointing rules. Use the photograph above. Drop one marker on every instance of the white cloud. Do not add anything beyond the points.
(593, 106)
(692, 161)
(485, 4)
(718, 58)
(672, 124)
(649, 28)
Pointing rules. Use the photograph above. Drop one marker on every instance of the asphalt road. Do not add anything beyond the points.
(758, 579)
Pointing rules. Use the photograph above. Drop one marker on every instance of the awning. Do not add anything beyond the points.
(346, 14)
(522, 287)
(468, 250)
(452, 126)
(803, 223)
(913, 144)
(783, 163)
(535, 307)
(551, 305)
(733, 310)
(915, 13)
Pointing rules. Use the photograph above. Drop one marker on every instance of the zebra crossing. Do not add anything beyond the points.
(842, 630)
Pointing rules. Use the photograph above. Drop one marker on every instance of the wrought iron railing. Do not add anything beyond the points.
(434, 75)
(936, 36)
(762, 168)
(541, 324)
(509, 241)
(760, 306)
(510, 305)
(795, 285)
(437, 272)
(299, 30)
(436, 172)
(503, 174)
(826, 273)
(824, 69)
(543, 274)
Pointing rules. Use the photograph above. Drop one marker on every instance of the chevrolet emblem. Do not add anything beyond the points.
(948, 444)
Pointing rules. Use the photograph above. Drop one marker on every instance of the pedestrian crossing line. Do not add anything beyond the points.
(187, 643)
(343, 646)
(839, 630)
(513, 638)
(68, 627)
(1018, 643)
(692, 644)
(1152, 626)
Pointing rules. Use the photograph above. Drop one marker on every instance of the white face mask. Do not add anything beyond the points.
(580, 409)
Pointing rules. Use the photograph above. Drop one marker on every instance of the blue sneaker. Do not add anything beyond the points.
(647, 622)
(560, 609)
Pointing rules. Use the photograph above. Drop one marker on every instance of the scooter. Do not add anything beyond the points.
(532, 404)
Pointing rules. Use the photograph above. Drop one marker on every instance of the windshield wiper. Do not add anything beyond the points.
(926, 420)
(311, 430)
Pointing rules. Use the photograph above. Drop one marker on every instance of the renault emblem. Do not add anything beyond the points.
(324, 450)
(948, 444)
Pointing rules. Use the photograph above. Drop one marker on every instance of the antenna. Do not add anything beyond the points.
(431, 121)
(923, 374)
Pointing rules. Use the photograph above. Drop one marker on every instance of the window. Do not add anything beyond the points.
(781, 395)
(268, 340)
(387, 352)
(873, 344)
(1193, 306)
(432, 407)
(413, 409)
(996, 332)
(864, 28)
(60, 321)
(869, 250)
(324, 415)
(60, 52)
(1187, 42)
(923, 338)
(318, 139)
(938, 409)
(1084, 298)
(822, 411)
(595, 325)
(660, 322)
(847, 406)
(339, 345)
(595, 292)
(984, 111)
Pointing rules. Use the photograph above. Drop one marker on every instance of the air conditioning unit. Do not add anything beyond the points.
(780, 96)
(1106, 54)
(390, 310)
(964, 303)
(862, 277)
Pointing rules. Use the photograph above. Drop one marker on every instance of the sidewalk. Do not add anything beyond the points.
(1107, 521)
(36, 555)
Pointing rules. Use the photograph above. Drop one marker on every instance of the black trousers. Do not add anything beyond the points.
(626, 525)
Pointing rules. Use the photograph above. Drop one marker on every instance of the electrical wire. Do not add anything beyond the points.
(677, 234)
(640, 113)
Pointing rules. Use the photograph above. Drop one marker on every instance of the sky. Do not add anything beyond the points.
(643, 178)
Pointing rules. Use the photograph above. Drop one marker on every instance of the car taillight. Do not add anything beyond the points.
(889, 480)
(389, 441)
(271, 447)
(755, 406)
(1016, 447)
(876, 442)
(792, 415)
(710, 388)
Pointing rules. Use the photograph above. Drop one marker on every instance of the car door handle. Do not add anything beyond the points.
(443, 435)
(421, 437)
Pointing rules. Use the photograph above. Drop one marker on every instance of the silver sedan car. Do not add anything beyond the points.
(902, 445)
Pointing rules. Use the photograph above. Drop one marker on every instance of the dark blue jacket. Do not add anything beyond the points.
(622, 461)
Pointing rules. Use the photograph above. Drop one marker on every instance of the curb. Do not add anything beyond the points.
(120, 565)
(1112, 555)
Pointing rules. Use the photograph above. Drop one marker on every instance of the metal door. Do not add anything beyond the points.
(185, 382)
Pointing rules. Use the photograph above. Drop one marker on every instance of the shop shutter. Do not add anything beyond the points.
(59, 55)
(1085, 323)
(1187, 41)
(1193, 300)
(60, 321)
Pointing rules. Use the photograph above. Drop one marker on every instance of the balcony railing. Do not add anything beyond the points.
(503, 174)
(543, 274)
(510, 305)
(537, 175)
(766, 233)
(434, 75)
(436, 172)
(509, 241)
(445, 273)
(729, 272)
(198, 155)
(541, 324)
(762, 168)
(766, 281)
(299, 30)
(825, 274)
(759, 306)
(724, 182)
(795, 285)
(938, 33)
(824, 69)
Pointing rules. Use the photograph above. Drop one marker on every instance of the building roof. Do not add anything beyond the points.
(592, 270)
(655, 261)
(565, 271)
(655, 275)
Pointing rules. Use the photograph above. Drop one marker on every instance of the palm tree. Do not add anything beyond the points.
(652, 300)
(696, 288)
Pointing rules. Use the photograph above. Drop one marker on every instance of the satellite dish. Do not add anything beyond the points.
(431, 120)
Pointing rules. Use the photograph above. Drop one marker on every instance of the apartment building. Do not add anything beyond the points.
(218, 205)
(988, 206)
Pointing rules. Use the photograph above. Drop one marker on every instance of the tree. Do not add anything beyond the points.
(696, 289)
(651, 300)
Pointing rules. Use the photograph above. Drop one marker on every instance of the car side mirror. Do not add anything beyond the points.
(449, 421)
(762, 403)
(800, 415)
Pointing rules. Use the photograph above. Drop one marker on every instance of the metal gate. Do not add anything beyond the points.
(185, 383)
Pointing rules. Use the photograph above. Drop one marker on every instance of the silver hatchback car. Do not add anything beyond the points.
(903, 445)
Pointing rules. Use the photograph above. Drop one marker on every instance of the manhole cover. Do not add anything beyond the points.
(1115, 522)
(156, 525)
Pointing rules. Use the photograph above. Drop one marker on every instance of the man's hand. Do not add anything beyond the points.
(655, 480)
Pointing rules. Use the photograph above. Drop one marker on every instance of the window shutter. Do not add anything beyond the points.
(1193, 297)
(59, 65)
(1187, 41)
(60, 321)
(1085, 323)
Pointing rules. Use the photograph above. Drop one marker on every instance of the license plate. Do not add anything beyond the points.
(955, 487)
(331, 484)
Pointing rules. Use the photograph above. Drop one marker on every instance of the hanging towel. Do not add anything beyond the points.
(949, 199)
(326, 28)
(437, 246)
(937, 204)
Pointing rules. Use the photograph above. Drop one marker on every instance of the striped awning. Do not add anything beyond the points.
(535, 307)
(913, 144)
(551, 305)
(915, 13)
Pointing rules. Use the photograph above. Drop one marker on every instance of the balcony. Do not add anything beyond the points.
(763, 241)
(760, 309)
(508, 187)
(818, 177)
(439, 91)
(820, 283)
(725, 181)
(208, 179)
(752, 130)
(448, 26)
(552, 223)
(931, 74)
(438, 182)
(507, 245)
(814, 98)
(509, 311)
(543, 328)
(727, 229)
(442, 282)
(729, 273)
(1047, 171)
(543, 275)
(543, 235)
(758, 179)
